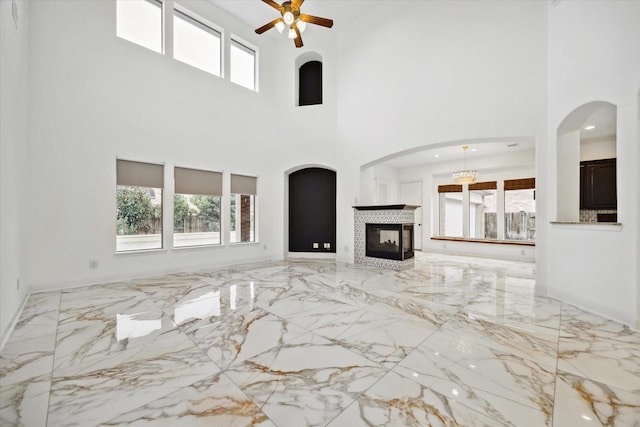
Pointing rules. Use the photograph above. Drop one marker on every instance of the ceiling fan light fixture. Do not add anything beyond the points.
(301, 25)
(288, 17)
(280, 26)
(292, 33)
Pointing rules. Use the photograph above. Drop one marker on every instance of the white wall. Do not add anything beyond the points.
(96, 97)
(593, 56)
(598, 149)
(14, 72)
(439, 71)
(568, 175)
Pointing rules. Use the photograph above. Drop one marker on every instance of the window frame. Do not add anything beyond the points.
(162, 5)
(190, 175)
(235, 41)
(203, 24)
(254, 200)
(129, 182)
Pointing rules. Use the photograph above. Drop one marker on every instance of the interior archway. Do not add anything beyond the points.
(586, 164)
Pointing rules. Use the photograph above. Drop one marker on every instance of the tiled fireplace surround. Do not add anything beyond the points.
(396, 214)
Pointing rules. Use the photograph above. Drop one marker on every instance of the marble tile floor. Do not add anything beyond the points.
(455, 341)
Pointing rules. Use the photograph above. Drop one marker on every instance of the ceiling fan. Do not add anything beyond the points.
(291, 17)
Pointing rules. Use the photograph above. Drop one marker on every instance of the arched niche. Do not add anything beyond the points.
(308, 77)
(586, 156)
(310, 210)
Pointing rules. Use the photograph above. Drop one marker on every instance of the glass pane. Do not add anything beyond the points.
(242, 218)
(483, 214)
(242, 66)
(195, 44)
(196, 220)
(139, 218)
(450, 215)
(140, 21)
(520, 215)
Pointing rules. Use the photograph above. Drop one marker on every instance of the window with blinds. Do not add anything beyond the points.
(450, 210)
(196, 207)
(483, 210)
(520, 209)
(243, 208)
(139, 189)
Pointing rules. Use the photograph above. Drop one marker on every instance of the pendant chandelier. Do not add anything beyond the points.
(465, 176)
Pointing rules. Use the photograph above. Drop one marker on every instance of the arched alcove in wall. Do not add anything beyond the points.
(586, 158)
(308, 79)
(311, 209)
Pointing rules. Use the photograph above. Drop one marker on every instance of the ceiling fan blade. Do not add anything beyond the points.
(268, 26)
(316, 20)
(298, 39)
(273, 5)
(295, 4)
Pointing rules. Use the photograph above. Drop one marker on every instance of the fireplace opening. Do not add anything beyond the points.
(389, 241)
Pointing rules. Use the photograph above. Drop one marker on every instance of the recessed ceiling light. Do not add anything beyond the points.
(474, 149)
(590, 127)
(436, 155)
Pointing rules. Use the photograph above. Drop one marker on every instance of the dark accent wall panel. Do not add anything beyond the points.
(312, 210)
(310, 79)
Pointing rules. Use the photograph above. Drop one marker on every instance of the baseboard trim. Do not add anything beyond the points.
(14, 321)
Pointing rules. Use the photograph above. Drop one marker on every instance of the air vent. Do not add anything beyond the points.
(515, 144)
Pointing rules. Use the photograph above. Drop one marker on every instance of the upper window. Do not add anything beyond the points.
(520, 209)
(310, 80)
(243, 208)
(243, 65)
(196, 207)
(196, 43)
(138, 205)
(140, 21)
(450, 210)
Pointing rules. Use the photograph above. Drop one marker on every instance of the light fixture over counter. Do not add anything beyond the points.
(465, 176)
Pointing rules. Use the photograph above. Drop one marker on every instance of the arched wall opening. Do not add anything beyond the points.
(499, 161)
(586, 158)
(310, 211)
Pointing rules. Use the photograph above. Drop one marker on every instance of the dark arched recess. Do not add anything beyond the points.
(310, 80)
(312, 210)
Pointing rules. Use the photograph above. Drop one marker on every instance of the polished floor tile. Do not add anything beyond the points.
(456, 341)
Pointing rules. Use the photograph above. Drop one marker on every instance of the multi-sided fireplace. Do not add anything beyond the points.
(389, 241)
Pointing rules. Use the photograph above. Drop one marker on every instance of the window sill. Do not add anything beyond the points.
(186, 248)
(243, 243)
(487, 241)
(598, 226)
(140, 252)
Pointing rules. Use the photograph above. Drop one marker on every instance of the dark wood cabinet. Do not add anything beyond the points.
(598, 184)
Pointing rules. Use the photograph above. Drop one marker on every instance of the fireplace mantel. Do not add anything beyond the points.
(386, 207)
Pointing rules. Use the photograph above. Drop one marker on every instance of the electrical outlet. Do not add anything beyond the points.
(316, 245)
(522, 252)
(17, 284)
(346, 248)
(265, 247)
(93, 264)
